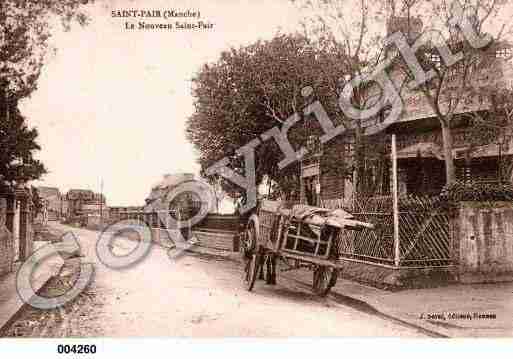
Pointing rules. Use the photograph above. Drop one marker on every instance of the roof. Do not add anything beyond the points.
(171, 180)
(416, 107)
(80, 191)
(45, 192)
(422, 149)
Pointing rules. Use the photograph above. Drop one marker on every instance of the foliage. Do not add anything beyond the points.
(18, 143)
(254, 88)
(26, 28)
(475, 191)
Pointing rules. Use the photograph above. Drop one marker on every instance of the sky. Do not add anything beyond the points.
(112, 103)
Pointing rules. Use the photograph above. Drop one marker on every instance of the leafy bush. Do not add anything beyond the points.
(474, 191)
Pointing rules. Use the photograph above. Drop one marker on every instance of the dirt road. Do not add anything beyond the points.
(203, 296)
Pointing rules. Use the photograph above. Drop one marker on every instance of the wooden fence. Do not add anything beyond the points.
(423, 231)
(424, 237)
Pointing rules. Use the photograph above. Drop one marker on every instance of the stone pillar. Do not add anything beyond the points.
(11, 210)
(26, 237)
(482, 248)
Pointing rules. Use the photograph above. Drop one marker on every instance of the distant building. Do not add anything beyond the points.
(163, 188)
(85, 202)
(163, 196)
(169, 199)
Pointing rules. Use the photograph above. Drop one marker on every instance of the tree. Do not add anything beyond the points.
(456, 86)
(18, 143)
(26, 27)
(354, 29)
(252, 89)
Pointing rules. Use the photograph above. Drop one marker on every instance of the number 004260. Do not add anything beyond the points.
(76, 349)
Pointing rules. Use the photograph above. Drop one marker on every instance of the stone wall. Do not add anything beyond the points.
(481, 251)
(220, 241)
(164, 238)
(483, 241)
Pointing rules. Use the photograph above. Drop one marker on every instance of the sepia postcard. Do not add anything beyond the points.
(255, 169)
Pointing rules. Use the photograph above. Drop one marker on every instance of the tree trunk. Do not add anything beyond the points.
(449, 159)
(359, 158)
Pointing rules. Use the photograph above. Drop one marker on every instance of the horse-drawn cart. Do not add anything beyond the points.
(301, 236)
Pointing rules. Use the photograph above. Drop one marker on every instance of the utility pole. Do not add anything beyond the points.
(101, 202)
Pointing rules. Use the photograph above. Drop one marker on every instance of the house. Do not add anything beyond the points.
(168, 194)
(416, 240)
(482, 153)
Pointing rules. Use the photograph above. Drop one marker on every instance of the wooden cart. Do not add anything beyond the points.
(301, 236)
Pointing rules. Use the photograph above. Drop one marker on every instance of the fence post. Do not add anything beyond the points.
(396, 201)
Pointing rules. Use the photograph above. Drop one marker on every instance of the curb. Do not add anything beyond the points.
(422, 324)
(380, 310)
(373, 308)
(20, 305)
(428, 328)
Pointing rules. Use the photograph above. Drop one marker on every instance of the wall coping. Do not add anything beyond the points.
(484, 204)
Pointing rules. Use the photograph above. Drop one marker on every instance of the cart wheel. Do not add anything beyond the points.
(324, 278)
(251, 270)
(248, 241)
